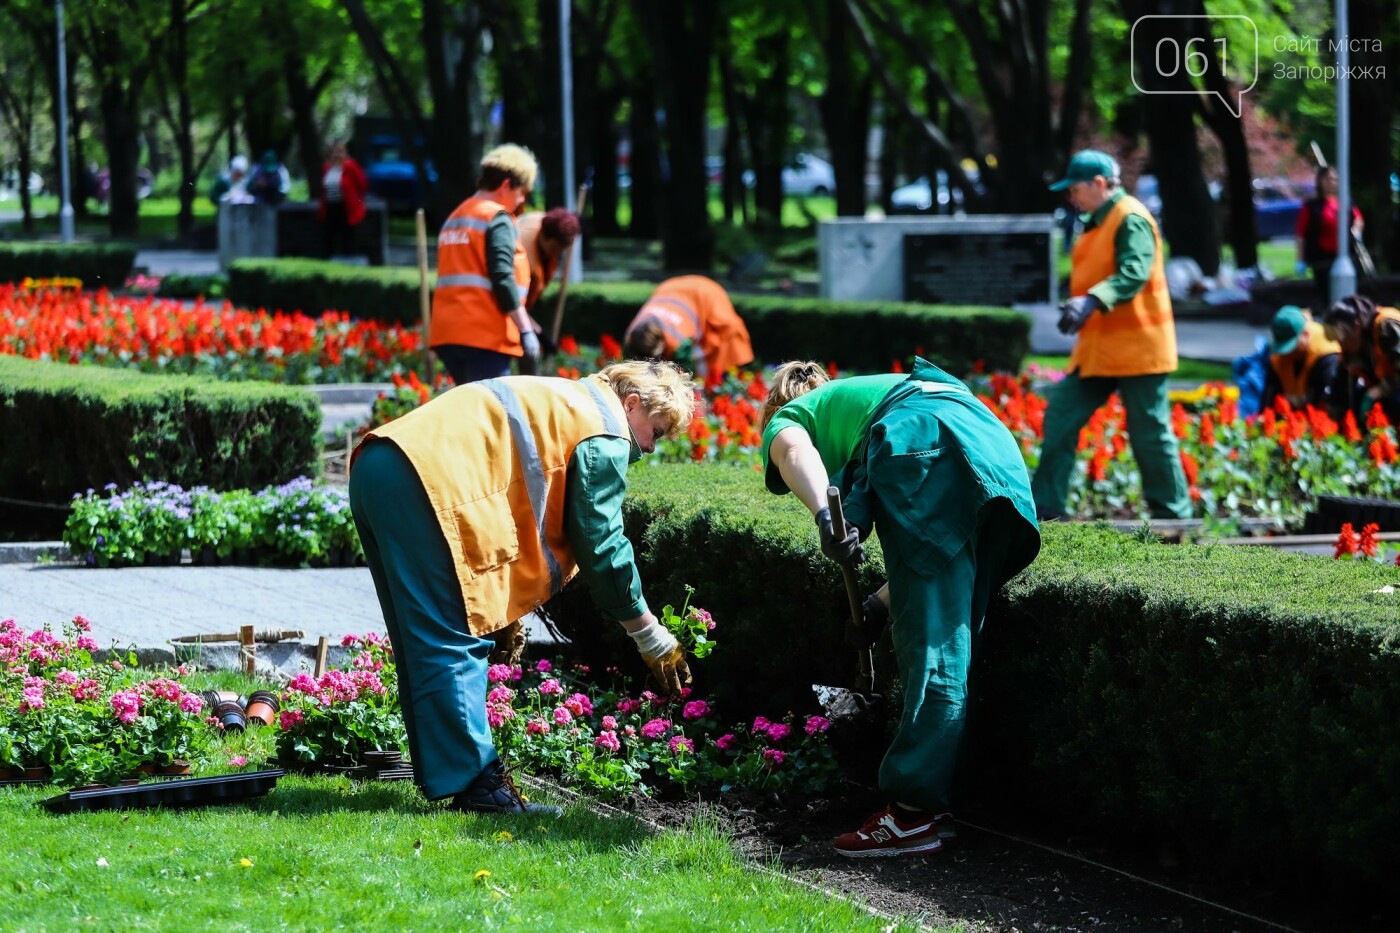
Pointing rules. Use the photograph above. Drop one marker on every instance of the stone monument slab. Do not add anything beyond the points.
(985, 259)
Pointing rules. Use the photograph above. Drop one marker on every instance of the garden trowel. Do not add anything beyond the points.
(840, 704)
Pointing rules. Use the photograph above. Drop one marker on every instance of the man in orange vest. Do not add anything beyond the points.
(1120, 308)
(477, 507)
(1304, 367)
(691, 309)
(479, 322)
(1370, 338)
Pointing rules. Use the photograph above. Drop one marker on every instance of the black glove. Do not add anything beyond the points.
(875, 618)
(846, 551)
(548, 347)
(1076, 311)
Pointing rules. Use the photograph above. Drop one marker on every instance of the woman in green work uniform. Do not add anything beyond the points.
(921, 461)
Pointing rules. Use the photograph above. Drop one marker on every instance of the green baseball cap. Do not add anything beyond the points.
(1085, 166)
(1288, 325)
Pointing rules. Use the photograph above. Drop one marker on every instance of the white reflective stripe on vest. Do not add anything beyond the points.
(464, 280)
(471, 223)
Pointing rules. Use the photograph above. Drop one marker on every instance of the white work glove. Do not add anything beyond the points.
(663, 654)
(531, 342)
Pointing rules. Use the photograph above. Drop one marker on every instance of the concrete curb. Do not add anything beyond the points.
(34, 552)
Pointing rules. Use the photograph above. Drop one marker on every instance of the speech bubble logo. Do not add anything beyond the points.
(1181, 54)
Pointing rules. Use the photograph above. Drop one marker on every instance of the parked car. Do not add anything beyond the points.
(806, 174)
(9, 184)
(392, 176)
(1276, 206)
(919, 197)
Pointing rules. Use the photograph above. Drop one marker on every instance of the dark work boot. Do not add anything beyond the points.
(493, 791)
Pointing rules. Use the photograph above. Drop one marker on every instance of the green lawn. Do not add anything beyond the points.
(1188, 371)
(326, 853)
(158, 218)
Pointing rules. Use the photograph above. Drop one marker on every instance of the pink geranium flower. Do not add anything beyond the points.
(290, 719)
(543, 666)
(695, 709)
(725, 742)
(774, 756)
(608, 740)
(562, 716)
(680, 744)
(777, 732)
(817, 724)
(537, 727)
(761, 724)
(126, 706)
(498, 673)
(656, 728)
(550, 687)
(610, 723)
(579, 705)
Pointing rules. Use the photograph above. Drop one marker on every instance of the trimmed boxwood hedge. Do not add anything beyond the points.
(1238, 702)
(312, 285)
(98, 265)
(70, 428)
(853, 334)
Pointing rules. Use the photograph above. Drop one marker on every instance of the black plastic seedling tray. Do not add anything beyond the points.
(171, 792)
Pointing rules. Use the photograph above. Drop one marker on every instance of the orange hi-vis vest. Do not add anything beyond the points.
(1137, 337)
(1294, 378)
(542, 268)
(465, 312)
(1385, 370)
(698, 309)
(493, 457)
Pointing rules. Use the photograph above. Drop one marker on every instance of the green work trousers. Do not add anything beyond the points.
(1073, 402)
(936, 625)
(441, 666)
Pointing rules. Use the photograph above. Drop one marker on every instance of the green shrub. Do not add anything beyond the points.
(1238, 702)
(70, 428)
(863, 335)
(853, 334)
(98, 265)
(179, 285)
(313, 286)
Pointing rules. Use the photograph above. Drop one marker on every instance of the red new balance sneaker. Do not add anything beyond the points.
(890, 833)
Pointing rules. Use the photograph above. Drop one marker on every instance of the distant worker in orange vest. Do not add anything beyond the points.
(476, 508)
(479, 322)
(696, 310)
(1370, 340)
(1304, 366)
(1121, 311)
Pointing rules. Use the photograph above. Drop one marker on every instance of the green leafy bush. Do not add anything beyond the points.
(1237, 701)
(71, 428)
(98, 265)
(389, 295)
(854, 334)
(213, 286)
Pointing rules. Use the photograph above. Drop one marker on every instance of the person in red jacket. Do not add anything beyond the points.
(343, 189)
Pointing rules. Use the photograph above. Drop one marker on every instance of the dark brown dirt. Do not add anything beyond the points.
(988, 882)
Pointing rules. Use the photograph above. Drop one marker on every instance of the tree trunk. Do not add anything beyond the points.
(644, 165)
(121, 133)
(454, 52)
(767, 117)
(303, 101)
(1189, 221)
(1373, 116)
(732, 195)
(845, 114)
(683, 37)
(603, 198)
(26, 165)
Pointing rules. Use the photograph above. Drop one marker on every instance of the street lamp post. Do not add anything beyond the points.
(1343, 276)
(65, 211)
(566, 92)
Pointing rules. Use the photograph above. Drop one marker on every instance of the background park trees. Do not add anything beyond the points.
(673, 101)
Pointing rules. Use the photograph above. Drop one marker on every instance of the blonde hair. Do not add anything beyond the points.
(665, 389)
(512, 162)
(790, 381)
(646, 341)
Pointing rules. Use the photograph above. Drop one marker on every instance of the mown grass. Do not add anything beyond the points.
(325, 853)
(1187, 371)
